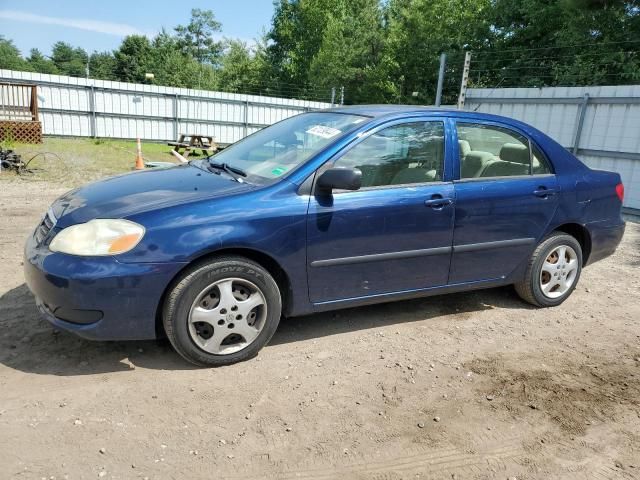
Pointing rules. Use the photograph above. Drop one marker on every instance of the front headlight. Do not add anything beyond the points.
(98, 237)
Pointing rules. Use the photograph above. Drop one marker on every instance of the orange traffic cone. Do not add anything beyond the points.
(139, 162)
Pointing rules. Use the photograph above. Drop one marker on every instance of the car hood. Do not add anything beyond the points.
(138, 192)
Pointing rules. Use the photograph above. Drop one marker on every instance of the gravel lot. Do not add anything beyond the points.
(470, 386)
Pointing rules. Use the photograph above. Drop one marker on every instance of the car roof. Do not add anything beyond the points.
(395, 111)
(381, 110)
(376, 111)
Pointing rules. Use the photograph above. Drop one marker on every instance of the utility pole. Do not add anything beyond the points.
(465, 80)
(333, 96)
(342, 95)
(443, 60)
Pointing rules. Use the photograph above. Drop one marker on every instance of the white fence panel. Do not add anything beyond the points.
(608, 137)
(97, 108)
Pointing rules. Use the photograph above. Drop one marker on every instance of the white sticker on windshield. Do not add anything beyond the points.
(324, 132)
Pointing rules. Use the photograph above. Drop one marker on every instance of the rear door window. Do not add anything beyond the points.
(491, 151)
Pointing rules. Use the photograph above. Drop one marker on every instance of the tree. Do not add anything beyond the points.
(420, 30)
(352, 54)
(39, 63)
(68, 60)
(133, 59)
(573, 42)
(171, 66)
(10, 57)
(242, 69)
(295, 38)
(102, 66)
(196, 39)
(379, 50)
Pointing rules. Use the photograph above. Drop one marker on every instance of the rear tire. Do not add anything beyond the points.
(222, 311)
(553, 271)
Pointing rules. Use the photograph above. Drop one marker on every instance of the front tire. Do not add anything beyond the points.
(553, 271)
(222, 311)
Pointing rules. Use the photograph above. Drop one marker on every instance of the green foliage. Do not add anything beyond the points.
(133, 59)
(379, 50)
(241, 68)
(420, 30)
(8, 141)
(196, 39)
(10, 57)
(39, 63)
(352, 53)
(296, 35)
(171, 66)
(69, 60)
(568, 42)
(102, 66)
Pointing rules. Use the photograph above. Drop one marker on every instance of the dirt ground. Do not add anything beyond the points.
(469, 386)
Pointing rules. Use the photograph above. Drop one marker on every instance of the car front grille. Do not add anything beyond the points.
(45, 227)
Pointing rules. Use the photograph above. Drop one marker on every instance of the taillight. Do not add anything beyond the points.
(620, 191)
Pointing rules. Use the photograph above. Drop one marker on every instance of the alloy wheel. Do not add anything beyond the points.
(227, 316)
(559, 271)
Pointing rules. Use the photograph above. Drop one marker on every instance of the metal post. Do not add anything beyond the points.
(92, 107)
(465, 80)
(443, 59)
(333, 96)
(342, 95)
(246, 118)
(579, 125)
(175, 116)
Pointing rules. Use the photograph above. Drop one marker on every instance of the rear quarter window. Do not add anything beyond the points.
(539, 163)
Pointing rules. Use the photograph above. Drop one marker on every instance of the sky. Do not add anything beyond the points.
(101, 25)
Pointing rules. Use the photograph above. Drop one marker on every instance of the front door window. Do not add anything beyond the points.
(399, 155)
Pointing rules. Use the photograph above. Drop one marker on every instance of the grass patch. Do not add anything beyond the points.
(74, 161)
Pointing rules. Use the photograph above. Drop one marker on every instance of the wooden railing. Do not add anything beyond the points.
(18, 102)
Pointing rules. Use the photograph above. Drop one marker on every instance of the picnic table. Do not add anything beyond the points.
(191, 141)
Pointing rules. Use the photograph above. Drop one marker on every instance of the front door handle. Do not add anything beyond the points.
(438, 202)
(544, 192)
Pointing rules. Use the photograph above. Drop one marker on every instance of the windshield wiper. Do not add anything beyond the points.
(233, 172)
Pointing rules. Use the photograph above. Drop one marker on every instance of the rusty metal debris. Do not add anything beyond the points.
(9, 160)
(12, 161)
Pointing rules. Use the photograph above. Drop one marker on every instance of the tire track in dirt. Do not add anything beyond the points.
(425, 460)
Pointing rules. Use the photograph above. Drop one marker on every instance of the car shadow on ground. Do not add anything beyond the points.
(30, 344)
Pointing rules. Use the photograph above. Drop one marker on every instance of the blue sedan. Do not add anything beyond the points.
(321, 211)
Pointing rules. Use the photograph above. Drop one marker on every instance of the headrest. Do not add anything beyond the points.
(478, 156)
(515, 152)
(464, 147)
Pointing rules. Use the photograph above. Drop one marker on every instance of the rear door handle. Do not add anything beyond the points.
(543, 192)
(438, 202)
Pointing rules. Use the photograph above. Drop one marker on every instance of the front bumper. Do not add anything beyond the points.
(97, 298)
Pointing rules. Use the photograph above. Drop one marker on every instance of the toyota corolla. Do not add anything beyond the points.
(321, 211)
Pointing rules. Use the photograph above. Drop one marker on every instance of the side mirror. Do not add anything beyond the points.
(339, 179)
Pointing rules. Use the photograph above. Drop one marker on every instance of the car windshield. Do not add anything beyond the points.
(276, 150)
